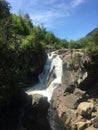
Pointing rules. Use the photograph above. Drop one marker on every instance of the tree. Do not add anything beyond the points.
(4, 9)
(74, 44)
(63, 43)
(50, 38)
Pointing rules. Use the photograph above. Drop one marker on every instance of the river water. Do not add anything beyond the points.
(53, 65)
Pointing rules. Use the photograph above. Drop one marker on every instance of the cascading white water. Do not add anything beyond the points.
(54, 63)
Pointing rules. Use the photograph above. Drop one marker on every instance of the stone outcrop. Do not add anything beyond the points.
(71, 106)
(36, 116)
(25, 113)
(69, 109)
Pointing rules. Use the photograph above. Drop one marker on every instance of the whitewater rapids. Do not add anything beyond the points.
(53, 63)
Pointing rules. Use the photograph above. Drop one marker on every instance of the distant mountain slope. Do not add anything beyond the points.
(93, 32)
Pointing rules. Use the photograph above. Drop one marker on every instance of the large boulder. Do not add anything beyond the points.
(85, 109)
(36, 116)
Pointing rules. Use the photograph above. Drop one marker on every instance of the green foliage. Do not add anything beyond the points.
(85, 42)
(73, 44)
(92, 50)
(4, 9)
(93, 53)
(50, 38)
(22, 24)
(63, 43)
(21, 52)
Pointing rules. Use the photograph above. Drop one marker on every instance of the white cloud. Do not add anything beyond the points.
(76, 3)
(46, 11)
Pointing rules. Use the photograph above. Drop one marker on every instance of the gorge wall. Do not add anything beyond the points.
(74, 105)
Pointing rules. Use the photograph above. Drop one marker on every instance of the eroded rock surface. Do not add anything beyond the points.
(74, 107)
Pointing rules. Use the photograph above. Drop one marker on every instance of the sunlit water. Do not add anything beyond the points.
(53, 61)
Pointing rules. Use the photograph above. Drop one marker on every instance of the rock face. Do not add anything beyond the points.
(72, 107)
(36, 116)
(25, 113)
(51, 77)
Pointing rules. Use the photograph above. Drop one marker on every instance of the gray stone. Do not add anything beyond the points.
(67, 78)
(72, 101)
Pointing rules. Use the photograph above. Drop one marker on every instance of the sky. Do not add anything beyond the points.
(67, 19)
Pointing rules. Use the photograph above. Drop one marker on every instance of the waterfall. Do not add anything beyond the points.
(53, 65)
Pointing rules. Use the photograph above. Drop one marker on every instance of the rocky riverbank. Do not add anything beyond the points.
(73, 105)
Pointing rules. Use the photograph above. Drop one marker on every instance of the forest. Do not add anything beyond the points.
(23, 47)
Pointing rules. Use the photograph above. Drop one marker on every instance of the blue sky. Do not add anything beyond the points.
(69, 19)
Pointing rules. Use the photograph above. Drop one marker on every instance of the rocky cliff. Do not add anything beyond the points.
(74, 105)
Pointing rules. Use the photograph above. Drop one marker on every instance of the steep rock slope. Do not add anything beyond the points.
(71, 107)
